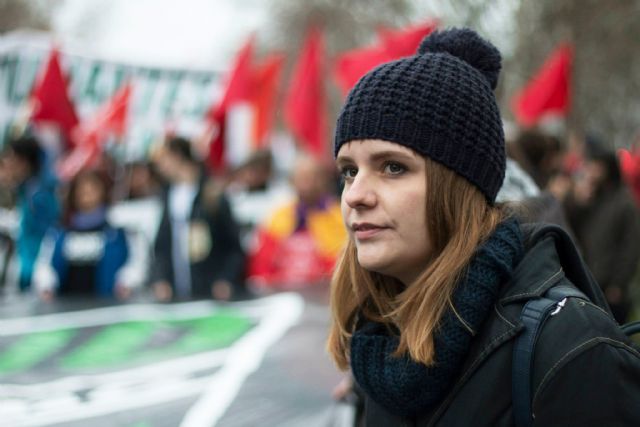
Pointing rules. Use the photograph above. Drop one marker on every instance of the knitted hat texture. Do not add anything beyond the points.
(439, 102)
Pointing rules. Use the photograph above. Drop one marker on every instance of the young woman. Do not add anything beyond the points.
(87, 256)
(427, 296)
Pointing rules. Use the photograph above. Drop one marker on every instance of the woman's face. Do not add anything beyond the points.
(384, 207)
(89, 194)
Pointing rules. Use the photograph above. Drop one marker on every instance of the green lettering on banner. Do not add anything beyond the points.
(3, 133)
(33, 349)
(204, 98)
(118, 77)
(127, 343)
(172, 92)
(75, 77)
(112, 346)
(150, 87)
(197, 335)
(26, 76)
(147, 143)
(12, 66)
(90, 90)
(4, 78)
(212, 332)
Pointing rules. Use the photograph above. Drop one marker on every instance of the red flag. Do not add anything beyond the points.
(110, 119)
(237, 88)
(354, 64)
(238, 81)
(304, 105)
(266, 78)
(216, 134)
(548, 92)
(50, 97)
(392, 44)
(405, 42)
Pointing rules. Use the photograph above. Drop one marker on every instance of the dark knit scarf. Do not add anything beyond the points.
(409, 388)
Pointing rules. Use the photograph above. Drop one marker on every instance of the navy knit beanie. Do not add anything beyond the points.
(440, 103)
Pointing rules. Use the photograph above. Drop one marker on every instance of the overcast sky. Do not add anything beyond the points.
(178, 33)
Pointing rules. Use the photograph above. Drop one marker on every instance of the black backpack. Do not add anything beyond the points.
(537, 311)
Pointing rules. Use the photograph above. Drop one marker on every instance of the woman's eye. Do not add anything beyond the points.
(348, 172)
(394, 168)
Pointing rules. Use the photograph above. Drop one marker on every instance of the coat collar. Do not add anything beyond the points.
(539, 269)
(550, 251)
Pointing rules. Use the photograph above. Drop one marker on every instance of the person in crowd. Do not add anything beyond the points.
(254, 192)
(517, 185)
(37, 201)
(87, 256)
(606, 222)
(7, 195)
(541, 157)
(197, 249)
(7, 221)
(142, 181)
(427, 296)
(298, 244)
(538, 153)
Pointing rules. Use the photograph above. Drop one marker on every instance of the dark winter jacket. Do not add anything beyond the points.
(586, 371)
(224, 259)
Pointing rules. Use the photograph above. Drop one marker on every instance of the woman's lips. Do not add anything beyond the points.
(365, 231)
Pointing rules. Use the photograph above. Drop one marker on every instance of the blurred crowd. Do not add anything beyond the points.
(164, 229)
(578, 183)
(169, 230)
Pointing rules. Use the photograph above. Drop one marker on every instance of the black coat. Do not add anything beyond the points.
(586, 372)
(225, 260)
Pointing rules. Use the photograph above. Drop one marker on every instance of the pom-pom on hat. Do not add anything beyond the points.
(440, 103)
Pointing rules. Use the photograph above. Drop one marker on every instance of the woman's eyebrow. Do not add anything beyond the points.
(343, 159)
(380, 155)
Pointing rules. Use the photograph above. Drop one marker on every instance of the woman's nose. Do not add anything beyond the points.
(359, 193)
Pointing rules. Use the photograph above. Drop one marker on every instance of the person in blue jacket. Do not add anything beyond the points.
(87, 256)
(37, 203)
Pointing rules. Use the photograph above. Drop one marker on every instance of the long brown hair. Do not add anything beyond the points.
(70, 206)
(459, 219)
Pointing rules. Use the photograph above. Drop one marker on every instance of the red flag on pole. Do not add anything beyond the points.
(110, 119)
(238, 81)
(266, 79)
(304, 109)
(548, 92)
(237, 88)
(405, 41)
(354, 64)
(51, 100)
(392, 44)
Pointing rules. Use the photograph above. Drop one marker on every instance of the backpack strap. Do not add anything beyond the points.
(533, 316)
(631, 328)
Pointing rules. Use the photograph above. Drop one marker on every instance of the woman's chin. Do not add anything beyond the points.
(375, 265)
